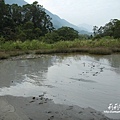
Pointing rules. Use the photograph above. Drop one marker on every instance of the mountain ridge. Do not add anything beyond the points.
(19, 2)
(56, 20)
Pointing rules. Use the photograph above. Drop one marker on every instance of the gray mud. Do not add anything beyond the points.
(81, 81)
(40, 108)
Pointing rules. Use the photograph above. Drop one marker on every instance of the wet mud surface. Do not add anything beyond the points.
(40, 108)
(68, 80)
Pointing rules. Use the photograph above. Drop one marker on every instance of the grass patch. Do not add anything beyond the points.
(99, 47)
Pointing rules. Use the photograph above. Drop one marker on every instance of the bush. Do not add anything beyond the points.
(51, 37)
(2, 39)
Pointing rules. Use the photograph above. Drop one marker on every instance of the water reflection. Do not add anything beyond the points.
(68, 79)
(18, 70)
(110, 60)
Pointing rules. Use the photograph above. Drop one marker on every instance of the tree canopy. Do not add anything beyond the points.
(63, 33)
(23, 22)
(111, 29)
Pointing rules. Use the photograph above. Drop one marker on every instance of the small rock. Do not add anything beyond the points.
(52, 117)
(67, 64)
(31, 101)
(41, 95)
(80, 112)
(40, 103)
(49, 112)
(33, 98)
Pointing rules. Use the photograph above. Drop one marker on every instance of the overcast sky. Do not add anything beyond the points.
(93, 12)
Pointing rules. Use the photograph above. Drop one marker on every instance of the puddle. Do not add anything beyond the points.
(86, 81)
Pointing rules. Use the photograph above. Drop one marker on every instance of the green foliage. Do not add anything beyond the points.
(2, 39)
(102, 46)
(27, 22)
(67, 33)
(111, 29)
(37, 33)
(51, 37)
(22, 36)
(62, 34)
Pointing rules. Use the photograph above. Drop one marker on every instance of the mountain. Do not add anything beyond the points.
(86, 27)
(19, 2)
(56, 20)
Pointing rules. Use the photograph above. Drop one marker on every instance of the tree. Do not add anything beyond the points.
(117, 29)
(67, 33)
(30, 21)
(36, 14)
(2, 9)
(111, 29)
(52, 37)
(37, 32)
(95, 29)
(16, 14)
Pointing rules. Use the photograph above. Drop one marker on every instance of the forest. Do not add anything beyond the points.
(27, 22)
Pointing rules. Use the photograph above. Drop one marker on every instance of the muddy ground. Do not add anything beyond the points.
(40, 108)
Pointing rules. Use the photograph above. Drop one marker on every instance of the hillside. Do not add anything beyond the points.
(56, 20)
(86, 27)
(19, 2)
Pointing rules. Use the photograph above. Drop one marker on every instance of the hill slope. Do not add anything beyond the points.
(56, 20)
(19, 2)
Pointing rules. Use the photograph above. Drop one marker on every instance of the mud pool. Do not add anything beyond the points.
(86, 81)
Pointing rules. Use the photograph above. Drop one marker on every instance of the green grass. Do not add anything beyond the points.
(102, 46)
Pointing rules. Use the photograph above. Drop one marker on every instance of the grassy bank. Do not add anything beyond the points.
(102, 46)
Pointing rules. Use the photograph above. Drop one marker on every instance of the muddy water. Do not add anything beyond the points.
(86, 81)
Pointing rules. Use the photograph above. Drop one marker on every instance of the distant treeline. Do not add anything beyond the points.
(111, 29)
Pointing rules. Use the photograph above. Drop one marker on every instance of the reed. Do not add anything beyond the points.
(102, 46)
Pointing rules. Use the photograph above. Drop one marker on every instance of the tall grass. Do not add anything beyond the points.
(27, 45)
(101, 46)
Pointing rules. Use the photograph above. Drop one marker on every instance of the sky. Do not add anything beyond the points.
(92, 12)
